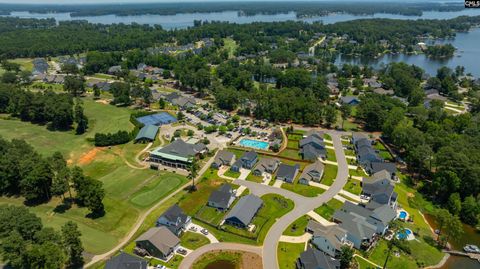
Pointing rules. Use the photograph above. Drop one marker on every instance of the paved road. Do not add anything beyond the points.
(270, 260)
(142, 218)
(303, 205)
(188, 261)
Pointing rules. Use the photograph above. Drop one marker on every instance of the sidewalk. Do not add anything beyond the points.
(278, 183)
(319, 185)
(296, 239)
(351, 195)
(319, 218)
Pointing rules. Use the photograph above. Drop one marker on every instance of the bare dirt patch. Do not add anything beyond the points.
(251, 261)
(88, 157)
(103, 101)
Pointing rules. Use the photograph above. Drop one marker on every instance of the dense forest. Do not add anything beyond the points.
(34, 38)
(26, 243)
(442, 149)
(302, 8)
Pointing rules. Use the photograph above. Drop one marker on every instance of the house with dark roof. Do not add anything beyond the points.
(318, 134)
(380, 189)
(376, 167)
(244, 211)
(177, 99)
(247, 161)
(147, 134)
(177, 154)
(363, 223)
(349, 100)
(367, 155)
(312, 172)
(312, 147)
(174, 219)
(287, 172)
(222, 198)
(329, 239)
(356, 136)
(315, 259)
(158, 242)
(126, 261)
(223, 157)
(266, 165)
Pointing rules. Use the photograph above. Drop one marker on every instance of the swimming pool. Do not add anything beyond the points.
(405, 234)
(402, 215)
(250, 143)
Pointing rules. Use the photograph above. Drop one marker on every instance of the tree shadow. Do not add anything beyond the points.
(96, 214)
(63, 207)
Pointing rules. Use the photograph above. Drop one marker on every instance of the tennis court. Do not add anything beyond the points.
(157, 119)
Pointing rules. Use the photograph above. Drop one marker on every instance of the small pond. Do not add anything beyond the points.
(221, 264)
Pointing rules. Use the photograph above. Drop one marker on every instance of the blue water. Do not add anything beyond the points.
(403, 214)
(184, 20)
(254, 144)
(405, 234)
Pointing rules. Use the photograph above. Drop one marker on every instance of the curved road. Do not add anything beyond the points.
(303, 205)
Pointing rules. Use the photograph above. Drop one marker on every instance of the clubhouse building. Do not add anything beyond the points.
(177, 154)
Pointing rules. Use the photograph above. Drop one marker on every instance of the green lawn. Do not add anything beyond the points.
(383, 152)
(254, 178)
(353, 186)
(157, 189)
(288, 254)
(363, 264)
(331, 155)
(327, 137)
(192, 240)
(329, 174)
(295, 136)
(292, 144)
(208, 258)
(326, 210)
(358, 173)
(297, 228)
(230, 173)
(290, 153)
(305, 190)
(210, 215)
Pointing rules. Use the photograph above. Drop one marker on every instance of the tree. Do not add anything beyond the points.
(72, 244)
(75, 85)
(454, 228)
(442, 216)
(36, 185)
(80, 118)
(346, 257)
(454, 204)
(330, 115)
(470, 211)
(96, 91)
(70, 68)
(162, 103)
(180, 116)
(345, 110)
(47, 255)
(9, 78)
(194, 166)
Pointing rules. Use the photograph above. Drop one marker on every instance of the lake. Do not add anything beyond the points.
(184, 20)
(467, 54)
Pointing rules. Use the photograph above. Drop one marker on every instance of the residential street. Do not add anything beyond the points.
(303, 205)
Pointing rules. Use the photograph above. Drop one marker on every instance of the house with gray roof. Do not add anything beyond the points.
(312, 172)
(376, 167)
(113, 70)
(222, 198)
(244, 211)
(349, 100)
(312, 147)
(178, 100)
(315, 133)
(356, 136)
(126, 261)
(329, 239)
(266, 165)
(363, 223)
(158, 242)
(315, 259)
(287, 172)
(380, 189)
(174, 219)
(247, 161)
(223, 157)
(366, 155)
(147, 134)
(177, 154)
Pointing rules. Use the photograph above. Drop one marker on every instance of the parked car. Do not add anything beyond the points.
(182, 251)
(204, 231)
(159, 266)
(193, 228)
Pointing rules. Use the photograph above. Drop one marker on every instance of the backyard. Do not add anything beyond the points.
(328, 209)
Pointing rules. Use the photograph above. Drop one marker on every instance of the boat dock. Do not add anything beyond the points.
(475, 256)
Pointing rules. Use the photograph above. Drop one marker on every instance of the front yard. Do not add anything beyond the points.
(353, 186)
(328, 209)
(297, 228)
(288, 254)
(192, 240)
(305, 190)
(329, 174)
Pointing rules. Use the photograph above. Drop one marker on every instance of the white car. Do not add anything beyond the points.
(204, 231)
(159, 266)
